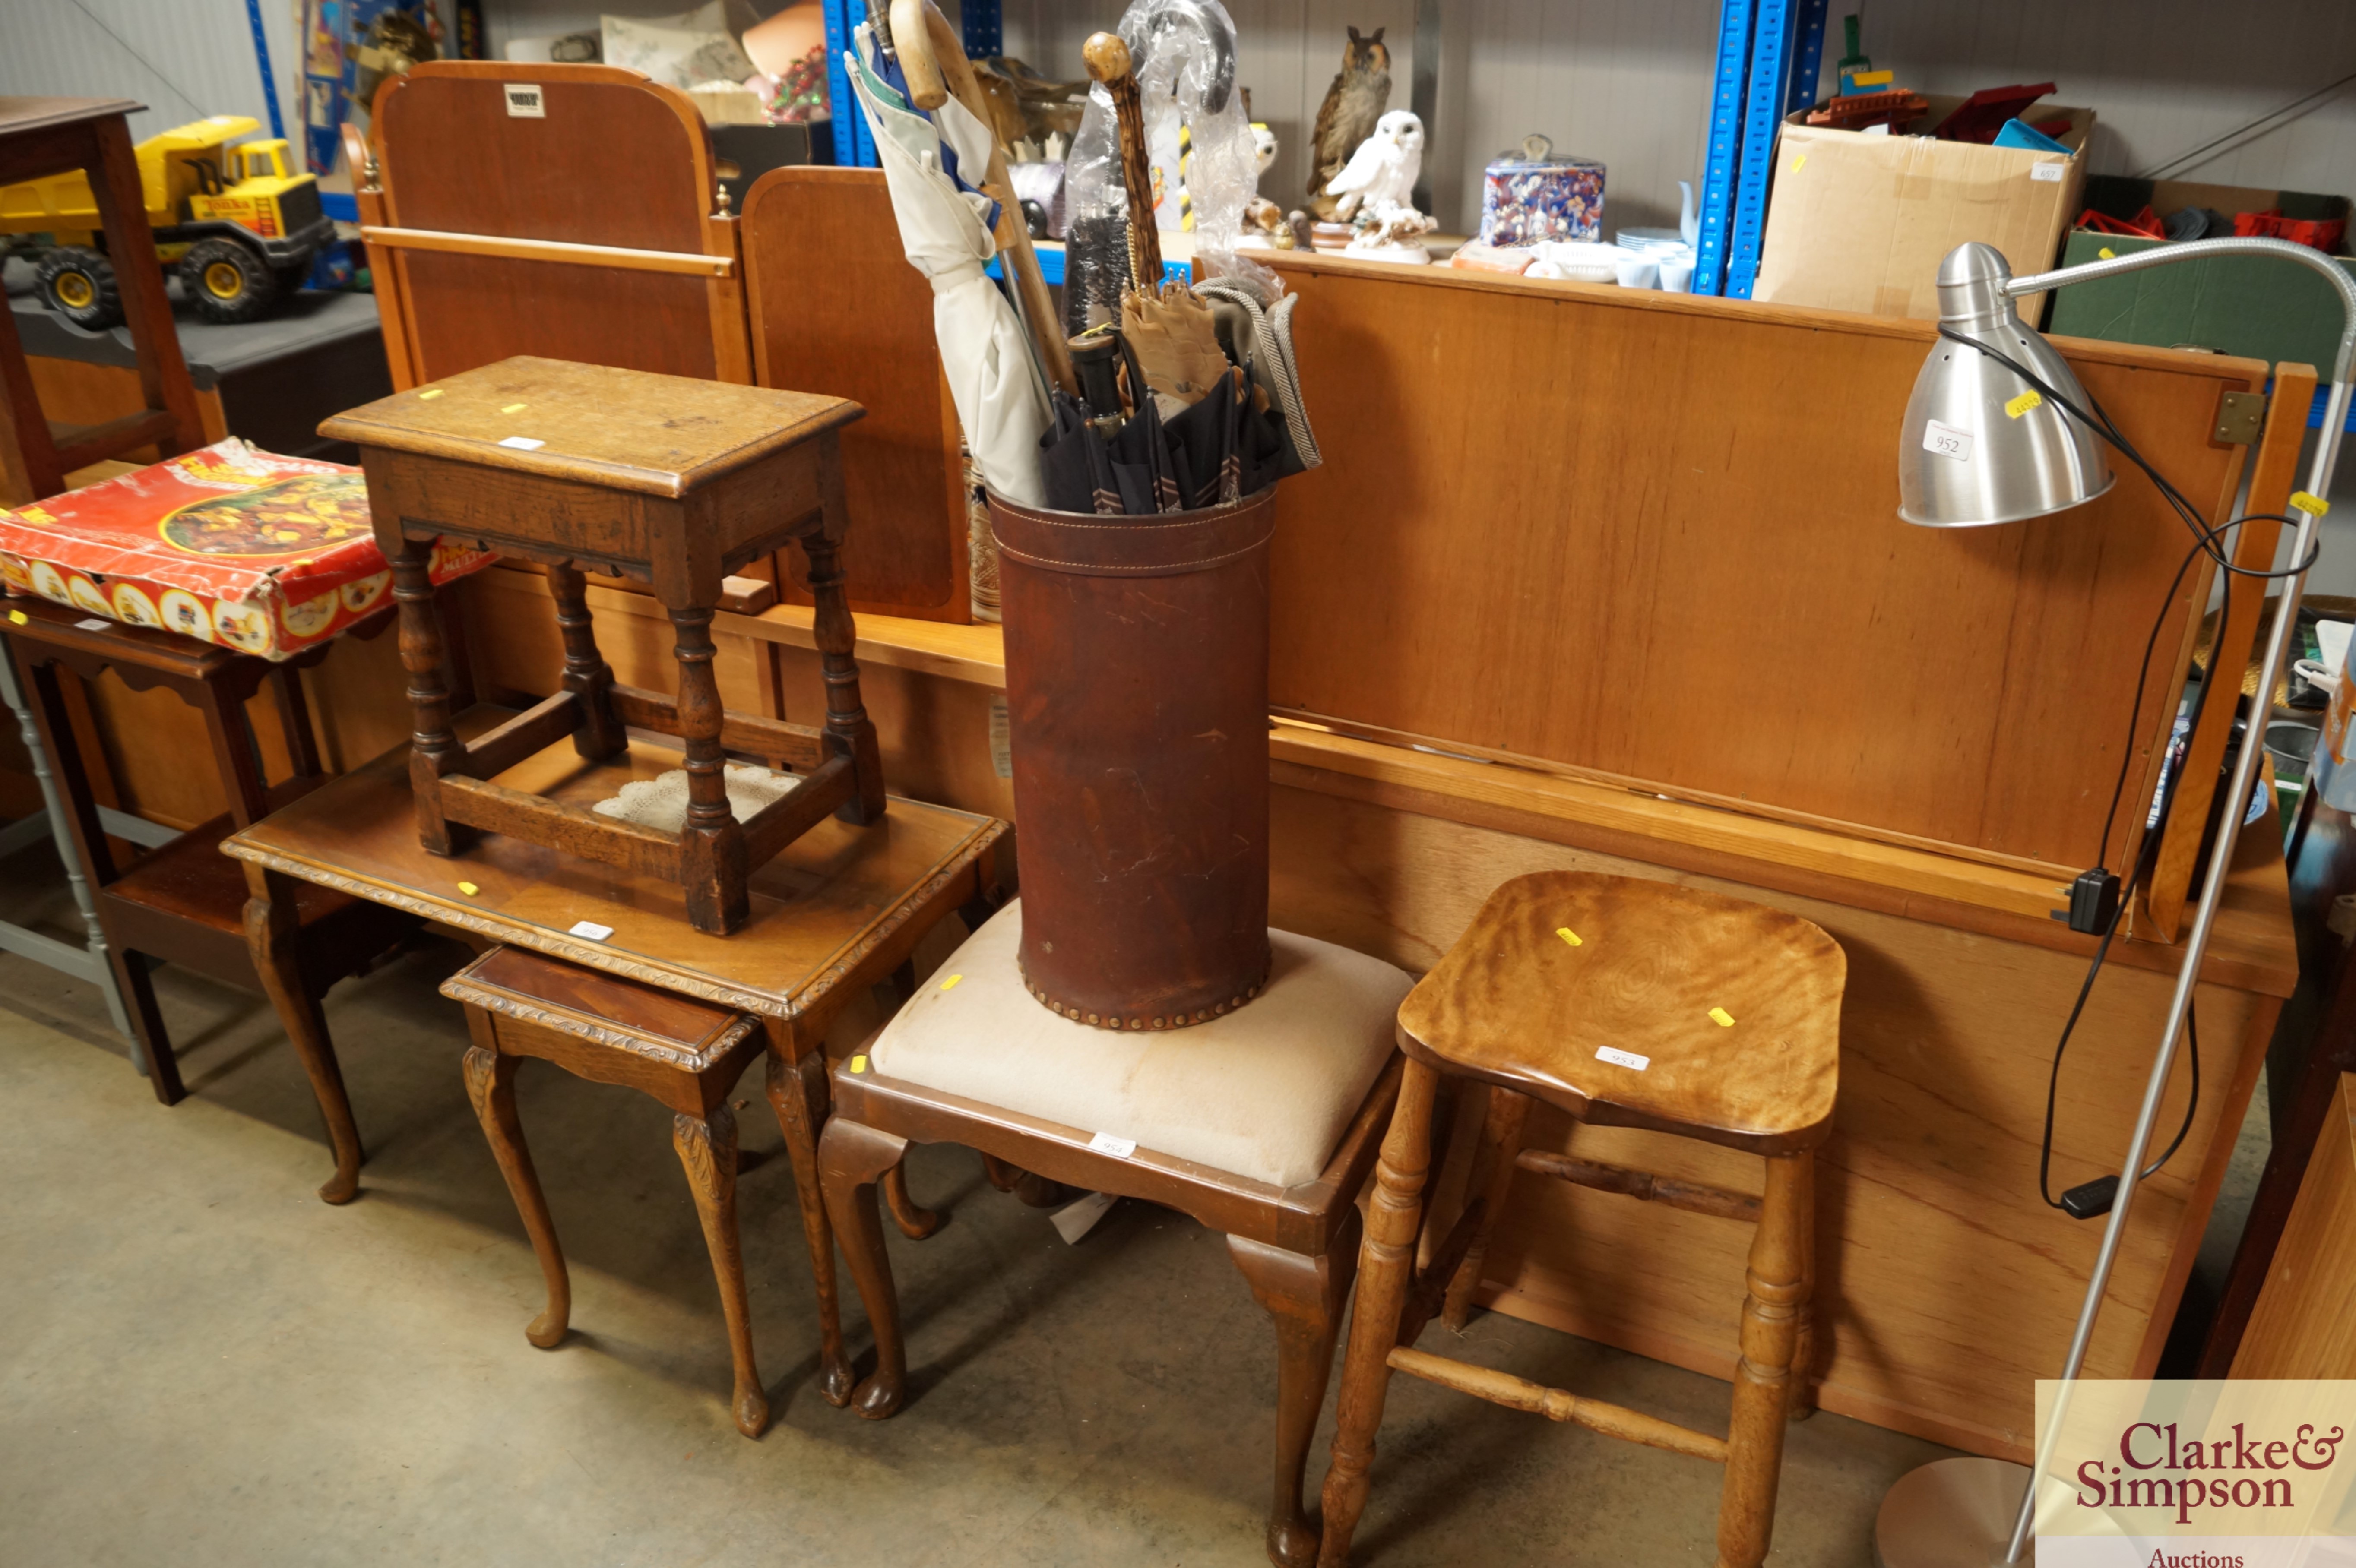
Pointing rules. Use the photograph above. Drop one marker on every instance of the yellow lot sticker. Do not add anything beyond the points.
(951, 981)
(469, 889)
(1569, 935)
(859, 1064)
(2313, 505)
(428, 394)
(515, 408)
(2023, 403)
(1721, 1018)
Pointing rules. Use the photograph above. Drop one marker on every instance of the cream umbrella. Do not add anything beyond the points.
(993, 374)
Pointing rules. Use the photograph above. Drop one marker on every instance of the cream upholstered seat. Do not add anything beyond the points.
(1264, 1092)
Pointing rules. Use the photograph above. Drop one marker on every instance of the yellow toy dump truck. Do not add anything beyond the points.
(237, 226)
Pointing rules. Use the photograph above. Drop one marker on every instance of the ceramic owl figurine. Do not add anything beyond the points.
(1361, 91)
(1380, 175)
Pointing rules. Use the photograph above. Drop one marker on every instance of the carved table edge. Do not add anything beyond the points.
(463, 988)
(597, 956)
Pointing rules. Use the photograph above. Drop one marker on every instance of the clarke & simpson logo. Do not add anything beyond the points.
(2196, 1474)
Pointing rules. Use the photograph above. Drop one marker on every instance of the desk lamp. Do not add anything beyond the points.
(1984, 445)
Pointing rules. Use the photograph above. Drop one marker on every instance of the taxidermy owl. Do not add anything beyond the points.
(1360, 93)
(1381, 174)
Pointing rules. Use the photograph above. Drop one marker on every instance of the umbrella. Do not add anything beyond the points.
(994, 380)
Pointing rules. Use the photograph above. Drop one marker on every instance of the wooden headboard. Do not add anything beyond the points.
(590, 230)
(1653, 538)
(836, 308)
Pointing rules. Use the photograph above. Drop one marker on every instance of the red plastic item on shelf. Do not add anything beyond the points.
(2143, 225)
(1979, 117)
(2321, 233)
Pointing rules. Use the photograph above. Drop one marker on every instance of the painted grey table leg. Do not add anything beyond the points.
(89, 964)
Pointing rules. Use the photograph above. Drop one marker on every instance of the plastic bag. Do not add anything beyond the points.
(1184, 52)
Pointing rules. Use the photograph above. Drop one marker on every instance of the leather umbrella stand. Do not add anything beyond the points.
(1137, 691)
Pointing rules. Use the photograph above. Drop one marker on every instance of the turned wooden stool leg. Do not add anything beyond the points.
(1778, 1282)
(490, 1085)
(1305, 1296)
(272, 937)
(854, 1160)
(707, 1147)
(711, 842)
(837, 637)
(798, 1095)
(587, 674)
(1491, 1178)
(1387, 1270)
(433, 748)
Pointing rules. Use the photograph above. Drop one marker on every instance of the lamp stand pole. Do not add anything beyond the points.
(1939, 1516)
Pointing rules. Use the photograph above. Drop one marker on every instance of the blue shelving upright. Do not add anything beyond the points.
(1721, 165)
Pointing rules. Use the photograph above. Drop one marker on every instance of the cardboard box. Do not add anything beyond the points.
(227, 544)
(1859, 222)
(2233, 305)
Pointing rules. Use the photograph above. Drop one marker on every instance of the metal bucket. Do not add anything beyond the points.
(1137, 691)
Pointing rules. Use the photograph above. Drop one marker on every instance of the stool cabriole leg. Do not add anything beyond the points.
(490, 1085)
(1772, 1313)
(853, 1159)
(587, 674)
(1386, 1271)
(707, 1147)
(711, 843)
(1303, 1295)
(916, 1221)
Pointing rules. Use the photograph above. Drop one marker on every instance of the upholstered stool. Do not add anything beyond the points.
(1630, 1003)
(1261, 1124)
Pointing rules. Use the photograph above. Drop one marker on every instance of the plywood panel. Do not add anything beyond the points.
(1656, 539)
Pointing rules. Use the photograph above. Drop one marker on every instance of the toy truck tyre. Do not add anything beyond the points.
(227, 283)
(77, 283)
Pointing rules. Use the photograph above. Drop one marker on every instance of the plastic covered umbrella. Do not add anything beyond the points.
(945, 226)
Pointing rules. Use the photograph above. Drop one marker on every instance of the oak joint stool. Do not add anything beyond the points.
(1623, 1002)
(663, 480)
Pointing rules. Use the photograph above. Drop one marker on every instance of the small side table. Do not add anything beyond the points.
(185, 902)
(41, 136)
(663, 480)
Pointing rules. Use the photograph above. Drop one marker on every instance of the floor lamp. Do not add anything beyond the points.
(1980, 446)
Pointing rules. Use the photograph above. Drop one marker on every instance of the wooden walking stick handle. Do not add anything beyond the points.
(1108, 62)
(932, 58)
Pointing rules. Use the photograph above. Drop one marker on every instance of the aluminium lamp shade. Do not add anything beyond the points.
(1980, 444)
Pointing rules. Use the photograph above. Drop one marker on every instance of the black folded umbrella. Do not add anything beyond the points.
(1214, 453)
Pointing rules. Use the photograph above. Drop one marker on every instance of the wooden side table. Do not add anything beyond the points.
(659, 479)
(184, 903)
(839, 910)
(41, 136)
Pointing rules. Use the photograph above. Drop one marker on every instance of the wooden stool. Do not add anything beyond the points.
(684, 1053)
(184, 903)
(660, 479)
(1627, 1003)
(1261, 1124)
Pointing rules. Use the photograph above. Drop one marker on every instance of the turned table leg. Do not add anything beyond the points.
(711, 842)
(272, 937)
(854, 1160)
(1386, 1268)
(707, 1147)
(798, 1095)
(1772, 1313)
(490, 1085)
(1305, 1296)
(587, 674)
(433, 748)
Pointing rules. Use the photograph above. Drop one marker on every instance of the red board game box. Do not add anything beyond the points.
(232, 545)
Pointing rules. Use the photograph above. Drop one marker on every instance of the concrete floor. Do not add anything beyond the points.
(200, 1363)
